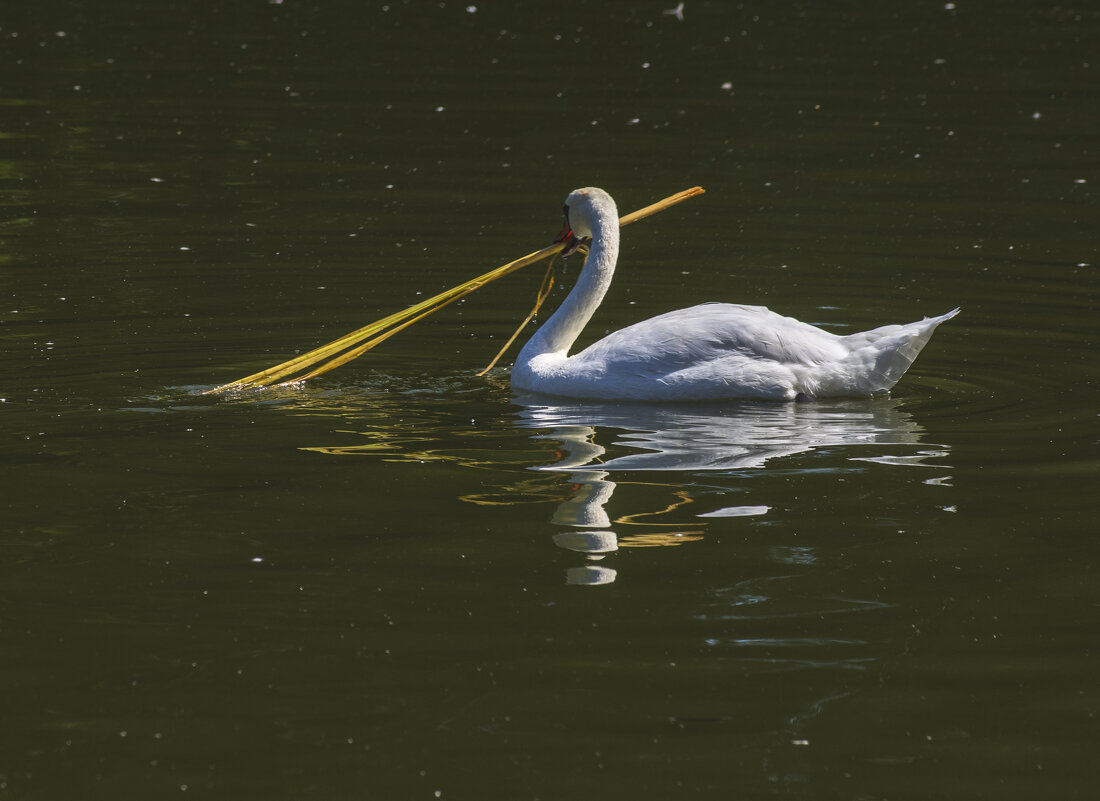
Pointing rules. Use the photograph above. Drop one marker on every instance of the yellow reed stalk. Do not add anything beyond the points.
(355, 344)
(543, 294)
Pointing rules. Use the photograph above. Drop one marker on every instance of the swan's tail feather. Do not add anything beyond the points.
(880, 357)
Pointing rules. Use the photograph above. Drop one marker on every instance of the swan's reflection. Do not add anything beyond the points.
(656, 455)
(598, 439)
(715, 437)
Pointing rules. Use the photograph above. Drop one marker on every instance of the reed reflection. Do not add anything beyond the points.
(657, 456)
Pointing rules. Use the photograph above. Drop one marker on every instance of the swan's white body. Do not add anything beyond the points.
(707, 352)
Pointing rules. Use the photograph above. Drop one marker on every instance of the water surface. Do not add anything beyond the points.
(402, 581)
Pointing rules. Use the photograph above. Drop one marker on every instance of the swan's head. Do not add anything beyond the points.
(586, 210)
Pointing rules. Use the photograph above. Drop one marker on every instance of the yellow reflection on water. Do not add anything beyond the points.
(580, 453)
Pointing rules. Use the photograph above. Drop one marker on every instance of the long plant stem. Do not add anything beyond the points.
(351, 346)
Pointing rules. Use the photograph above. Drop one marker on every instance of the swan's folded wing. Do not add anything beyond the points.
(715, 331)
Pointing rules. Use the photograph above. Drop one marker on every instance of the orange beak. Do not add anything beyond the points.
(569, 238)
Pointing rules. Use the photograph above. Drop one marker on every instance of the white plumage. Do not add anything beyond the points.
(706, 352)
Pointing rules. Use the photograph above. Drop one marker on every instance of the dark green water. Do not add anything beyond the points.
(376, 586)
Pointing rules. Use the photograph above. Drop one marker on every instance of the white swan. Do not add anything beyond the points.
(711, 351)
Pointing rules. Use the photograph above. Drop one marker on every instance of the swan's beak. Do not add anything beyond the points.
(569, 238)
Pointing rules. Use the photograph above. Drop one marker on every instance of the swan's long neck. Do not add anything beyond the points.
(558, 333)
